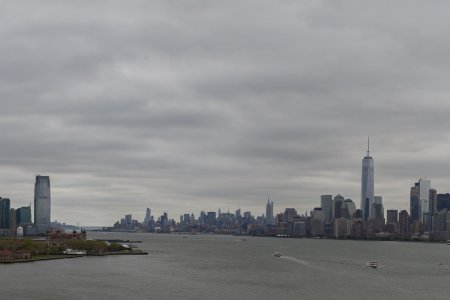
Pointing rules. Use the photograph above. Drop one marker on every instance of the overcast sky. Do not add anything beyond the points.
(183, 106)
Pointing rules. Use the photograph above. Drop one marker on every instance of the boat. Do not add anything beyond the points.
(373, 264)
(277, 254)
(69, 251)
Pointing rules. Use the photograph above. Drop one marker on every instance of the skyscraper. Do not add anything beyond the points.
(336, 209)
(42, 203)
(419, 199)
(269, 213)
(377, 210)
(23, 215)
(5, 213)
(367, 184)
(326, 201)
(148, 217)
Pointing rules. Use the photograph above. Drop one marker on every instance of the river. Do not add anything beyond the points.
(229, 267)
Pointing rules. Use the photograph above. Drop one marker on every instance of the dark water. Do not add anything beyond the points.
(226, 267)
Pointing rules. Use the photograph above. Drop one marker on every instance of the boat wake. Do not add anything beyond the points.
(296, 260)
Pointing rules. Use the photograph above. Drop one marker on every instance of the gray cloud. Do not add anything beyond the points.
(184, 106)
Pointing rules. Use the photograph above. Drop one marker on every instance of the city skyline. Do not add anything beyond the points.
(170, 105)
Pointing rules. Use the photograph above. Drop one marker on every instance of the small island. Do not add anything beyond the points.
(60, 245)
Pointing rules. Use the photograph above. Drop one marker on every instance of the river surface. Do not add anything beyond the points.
(230, 267)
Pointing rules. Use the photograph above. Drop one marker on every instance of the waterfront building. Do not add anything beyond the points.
(289, 214)
(42, 204)
(326, 203)
(211, 218)
(432, 204)
(23, 215)
(5, 213)
(148, 217)
(12, 219)
(367, 184)
(336, 209)
(392, 216)
(442, 201)
(403, 220)
(317, 222)
(341, 228)
(348, 209)
(432, 208)
(419, 199)
(298, 228)
(358, 228)
(377, 209)
(128, 220)
(269, 213)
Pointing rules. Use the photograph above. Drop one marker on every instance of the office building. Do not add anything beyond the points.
(392, 216)
(443, 201)
(403, 220)
(5, 213)
(419, 199)
(348, 209)
(336, 209)
(148, 217)
(23, 215)
(367, 184)
(326, 203)
(269, 213)
(42, 203)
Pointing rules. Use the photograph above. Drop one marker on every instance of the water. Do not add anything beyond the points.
(226, 267)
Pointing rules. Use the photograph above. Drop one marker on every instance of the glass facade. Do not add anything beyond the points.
(42, 204)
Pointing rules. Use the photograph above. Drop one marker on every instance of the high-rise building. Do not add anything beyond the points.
(403, 222)
(148, 217)
(348, 209)
(443, 201)
(317, 221)
(5, 213)
(367, 184)
(12, 219)
(42, 203)
(269, 213)
(392, 216)
(289, 214)
(377, 210)
(23, 215)
(432, 204)
(326, 202)
(336, 209)
(419, 199)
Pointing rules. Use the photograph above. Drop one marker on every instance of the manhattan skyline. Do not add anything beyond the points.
(171, 106)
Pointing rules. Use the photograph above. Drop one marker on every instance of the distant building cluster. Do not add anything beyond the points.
(337, 217)
(19, 220)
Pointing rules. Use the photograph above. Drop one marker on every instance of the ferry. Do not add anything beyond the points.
(373, 264)
(69, 251)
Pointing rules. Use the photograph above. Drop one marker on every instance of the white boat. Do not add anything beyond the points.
(277, 254)
(373, 264)
(69, 251)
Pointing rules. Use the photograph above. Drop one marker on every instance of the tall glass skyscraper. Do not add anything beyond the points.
(367, 184)
(42, 203)
(4, 212)
(419, 198)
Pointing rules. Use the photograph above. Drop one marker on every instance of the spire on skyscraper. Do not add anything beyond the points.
(368, 146)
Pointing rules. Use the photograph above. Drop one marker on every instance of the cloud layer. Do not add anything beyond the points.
(198, 105)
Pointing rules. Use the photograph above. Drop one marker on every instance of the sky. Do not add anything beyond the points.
(183, 106)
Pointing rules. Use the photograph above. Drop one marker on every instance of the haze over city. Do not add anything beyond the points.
(184, 107)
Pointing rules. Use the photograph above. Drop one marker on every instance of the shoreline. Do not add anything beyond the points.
(71, 256)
